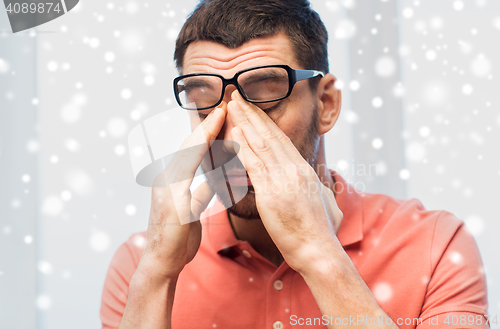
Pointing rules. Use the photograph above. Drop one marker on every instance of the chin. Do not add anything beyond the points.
(245, 208)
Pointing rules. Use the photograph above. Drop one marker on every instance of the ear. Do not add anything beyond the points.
(329, 103)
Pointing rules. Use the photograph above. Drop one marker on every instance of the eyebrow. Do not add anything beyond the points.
(196, 82)
(258, 77)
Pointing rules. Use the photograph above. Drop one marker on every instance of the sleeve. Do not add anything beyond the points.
(456, 293)
(115, 291)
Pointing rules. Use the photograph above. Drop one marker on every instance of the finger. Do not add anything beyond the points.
(189, 156)
(289, 147)
(262, 126)
(258, 143)
(178, 175)
(254, 166)
(184, 163)
(200, 199)
(194, 238)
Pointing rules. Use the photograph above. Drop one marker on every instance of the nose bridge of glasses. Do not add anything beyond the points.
(229, 86)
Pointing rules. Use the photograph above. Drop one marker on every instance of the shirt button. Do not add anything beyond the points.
(247, 253)
(278, 325)
(278, 285)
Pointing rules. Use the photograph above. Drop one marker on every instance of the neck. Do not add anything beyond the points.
(254, 231)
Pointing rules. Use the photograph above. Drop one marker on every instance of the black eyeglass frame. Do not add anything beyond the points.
(294, 76)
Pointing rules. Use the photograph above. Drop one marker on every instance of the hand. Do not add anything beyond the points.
(298, 211)
(170, 245)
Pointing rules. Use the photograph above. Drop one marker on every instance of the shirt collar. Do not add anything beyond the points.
(349, 202)
(221, 235)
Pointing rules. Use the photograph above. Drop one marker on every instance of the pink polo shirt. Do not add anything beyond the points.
(423, 267)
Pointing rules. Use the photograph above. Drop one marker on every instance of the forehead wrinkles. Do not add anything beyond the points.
(204, 55)
(208, 63)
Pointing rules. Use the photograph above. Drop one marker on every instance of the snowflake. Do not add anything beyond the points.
(404, 174)
(52, 205)
(377, 102)
(345, 29)
(456, 257)
(430, 55)
(126, 93)
(475, 225)
(120, 150)
(28, 239)
(52, 66)
(130, 210)
(458, 5)
(377, 143)
(415, 151)
(424, 131)
(480, 66)
(66, 195)
(467, 89)
(109, 56)
(408, 12)
(117, 127)
(354, 85)
(99, 241)
(72, 144)
(131, 7)
(4, 66)
(43, 302)
(382, 291)
(45, 267)
(385, 66)
(54, 159)
(79, 181)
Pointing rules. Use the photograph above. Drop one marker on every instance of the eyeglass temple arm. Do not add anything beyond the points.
(306, 74)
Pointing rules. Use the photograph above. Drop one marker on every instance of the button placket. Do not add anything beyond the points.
(278, 298)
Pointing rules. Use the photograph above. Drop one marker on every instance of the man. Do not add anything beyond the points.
(297, 245)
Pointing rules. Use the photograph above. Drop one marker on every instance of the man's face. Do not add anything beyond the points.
(295, 115)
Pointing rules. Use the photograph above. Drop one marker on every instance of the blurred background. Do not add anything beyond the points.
(421, 104)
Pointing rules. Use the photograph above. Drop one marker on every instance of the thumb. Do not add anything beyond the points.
(200, 199)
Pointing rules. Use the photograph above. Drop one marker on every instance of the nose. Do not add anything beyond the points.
(225, 132)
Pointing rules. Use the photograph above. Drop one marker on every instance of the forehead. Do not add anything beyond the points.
(212, 57)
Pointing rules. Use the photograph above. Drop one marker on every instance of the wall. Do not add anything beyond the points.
(408, 118)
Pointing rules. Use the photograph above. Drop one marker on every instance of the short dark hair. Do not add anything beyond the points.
(234, 22)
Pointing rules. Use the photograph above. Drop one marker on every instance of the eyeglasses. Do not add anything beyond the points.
(262, 84)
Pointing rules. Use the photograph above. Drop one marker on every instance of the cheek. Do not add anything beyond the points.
(295, 127)
(295, 121)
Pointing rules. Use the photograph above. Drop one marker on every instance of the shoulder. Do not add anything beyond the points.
(127, 256)
(388, 213)
(135, 245)
(121, 269)
(407, 225)
(438, 255)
